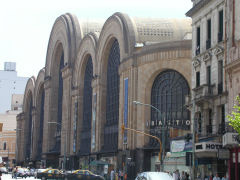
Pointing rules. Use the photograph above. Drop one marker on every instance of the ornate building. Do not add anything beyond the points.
(73, 111)
(209, 93)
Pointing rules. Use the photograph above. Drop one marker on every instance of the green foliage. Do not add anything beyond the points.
(234, 117)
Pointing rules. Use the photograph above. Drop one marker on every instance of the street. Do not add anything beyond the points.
(9, 176)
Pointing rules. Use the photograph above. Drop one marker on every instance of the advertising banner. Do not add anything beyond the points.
(125, 115)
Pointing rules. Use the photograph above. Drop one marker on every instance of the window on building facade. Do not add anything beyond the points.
(208, 75)
(198, 41)
(199, 120)
(4, 146)
(168, 96)
(209, 126)
(209, 30)
(220, 77)
(112, 100)
(60, 101)
(221, 129)
(85, 141)
(197, 78)
(220, 26)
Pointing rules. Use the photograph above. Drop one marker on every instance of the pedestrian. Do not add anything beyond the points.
(120, 175)
(112, 174)
(216, 177)
(187, 176)
(211, 177)
(224, 177)
(176, 175)
(125, 176)
(183, 177)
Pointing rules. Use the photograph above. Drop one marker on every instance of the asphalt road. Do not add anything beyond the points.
(9, 176)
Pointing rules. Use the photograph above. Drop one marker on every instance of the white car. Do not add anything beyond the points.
(154, 176)
(3, 170)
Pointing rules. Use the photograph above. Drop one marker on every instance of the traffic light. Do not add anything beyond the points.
(123, 128)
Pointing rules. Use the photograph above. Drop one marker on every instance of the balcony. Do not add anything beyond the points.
(224, 128)
(203, 92)
(208, 43)
(197, 50)
(209, 129)
(220, 36)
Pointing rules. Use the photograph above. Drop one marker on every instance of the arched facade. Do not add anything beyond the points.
(28, 124)
(84, 94)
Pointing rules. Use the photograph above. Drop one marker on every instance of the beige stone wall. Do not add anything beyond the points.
(142, 71)
(8, 137)
(139, 64)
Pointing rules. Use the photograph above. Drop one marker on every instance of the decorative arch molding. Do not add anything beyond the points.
(29, 89)
(39, 84)
(38, 121)
(87, 48)
(28, 109)
(65, 31)
(119, 26)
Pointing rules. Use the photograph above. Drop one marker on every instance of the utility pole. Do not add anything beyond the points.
(194, 129)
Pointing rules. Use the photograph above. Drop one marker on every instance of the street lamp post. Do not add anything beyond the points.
(64, 155)
(163, 131)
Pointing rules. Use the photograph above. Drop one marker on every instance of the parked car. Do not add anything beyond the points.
(154, 176)
(83, 175)
(37, 173)
(3, 170)
(51, 174)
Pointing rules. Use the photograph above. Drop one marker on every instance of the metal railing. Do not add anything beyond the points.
(208, 43)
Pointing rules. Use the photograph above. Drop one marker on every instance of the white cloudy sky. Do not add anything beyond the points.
(26, 24)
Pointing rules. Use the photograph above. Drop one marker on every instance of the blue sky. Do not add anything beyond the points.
(26, 24)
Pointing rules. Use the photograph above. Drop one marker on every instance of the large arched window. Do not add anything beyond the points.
(85, 142)
(40, 137)
(60, 99)
(28, 144)
(112, 100)
(168, 95)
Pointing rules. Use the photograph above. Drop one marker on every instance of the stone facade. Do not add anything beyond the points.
(209, 94)
(54, 101)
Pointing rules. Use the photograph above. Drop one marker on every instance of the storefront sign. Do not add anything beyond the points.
(125, 115)
(208, 147)
(172, 123)
(177, 146)
(230, 139)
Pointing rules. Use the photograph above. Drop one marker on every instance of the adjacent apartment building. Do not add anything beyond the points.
(215, 83)
(8, 131)
(10, 83)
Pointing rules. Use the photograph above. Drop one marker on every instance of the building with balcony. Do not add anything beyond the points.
(77, 104)
(208, 100)
(232, 69)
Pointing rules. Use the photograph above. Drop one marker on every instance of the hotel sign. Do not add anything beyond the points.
(208, 147)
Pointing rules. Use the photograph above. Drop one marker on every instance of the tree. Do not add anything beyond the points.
(234, 117)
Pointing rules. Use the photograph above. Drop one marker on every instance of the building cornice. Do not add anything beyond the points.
(197, 7)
